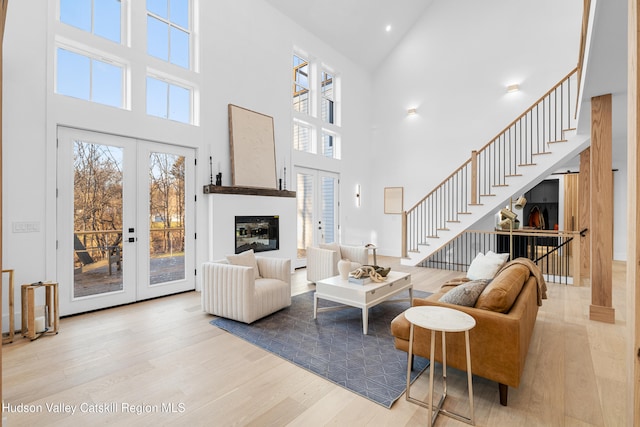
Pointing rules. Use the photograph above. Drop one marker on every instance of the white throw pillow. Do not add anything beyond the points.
(484, 267)
(503, 257)
(246, 259)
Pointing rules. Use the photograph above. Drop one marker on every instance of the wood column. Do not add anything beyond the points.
(633, 216)
(601, 308)
(584, 214)
(3, 19)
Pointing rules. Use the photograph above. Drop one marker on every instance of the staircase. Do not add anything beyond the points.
(531, 147)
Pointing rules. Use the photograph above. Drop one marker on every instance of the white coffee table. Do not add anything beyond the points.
(340, 290)
(442, 319)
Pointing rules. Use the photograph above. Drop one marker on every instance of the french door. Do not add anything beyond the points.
(317, 194)
(126, 217)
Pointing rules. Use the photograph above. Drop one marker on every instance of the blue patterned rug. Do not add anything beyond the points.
(334, 347)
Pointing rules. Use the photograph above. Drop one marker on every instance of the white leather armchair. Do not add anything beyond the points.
(234, 292)
(322, 262)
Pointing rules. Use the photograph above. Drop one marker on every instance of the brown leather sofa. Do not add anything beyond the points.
(500, 341)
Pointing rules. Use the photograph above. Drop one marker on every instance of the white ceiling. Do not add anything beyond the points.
(356, 28)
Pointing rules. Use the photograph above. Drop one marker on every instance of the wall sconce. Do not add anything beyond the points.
(358, 195)
(513, 88)
(412, 111)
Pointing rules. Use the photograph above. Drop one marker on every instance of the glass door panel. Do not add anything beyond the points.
(305, 202)
(166, 218)
(317, 214)
(98, 255)
(126, 218)
(167, 259)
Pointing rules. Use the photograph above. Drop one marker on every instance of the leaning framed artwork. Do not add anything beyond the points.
(393, 197)
(252, 148)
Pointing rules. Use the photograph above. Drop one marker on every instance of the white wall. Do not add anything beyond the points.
(454, 66)
(245, 57)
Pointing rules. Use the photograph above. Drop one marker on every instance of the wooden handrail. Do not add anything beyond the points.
(528, 110)
(440, 185)
(489, 167)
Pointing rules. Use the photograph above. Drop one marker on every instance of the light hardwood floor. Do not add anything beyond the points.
(162, 360)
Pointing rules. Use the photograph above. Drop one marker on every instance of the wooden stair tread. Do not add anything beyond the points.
(558, 141)
(500, 185)
(486, 195)
(453, 220)
(465, 213)
(513, 175)
(527, 164)
(476, 204)
(433, 237)
(540, 154)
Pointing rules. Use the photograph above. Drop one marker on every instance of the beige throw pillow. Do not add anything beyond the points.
(247, 259)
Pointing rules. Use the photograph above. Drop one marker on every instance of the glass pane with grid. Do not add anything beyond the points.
(300, 85)
(168, 31)
(327, 107)
(328, 208)
(100, 17)
(328, 145)
(302, 138)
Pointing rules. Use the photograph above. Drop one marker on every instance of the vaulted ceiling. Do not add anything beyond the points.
(356, 28)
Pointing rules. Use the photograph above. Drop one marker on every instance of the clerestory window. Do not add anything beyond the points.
(169, 31)
(85, 77)
(168, 100)
(99, 17)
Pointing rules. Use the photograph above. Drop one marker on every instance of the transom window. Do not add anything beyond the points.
(168, 100)
(302, 137)
(100, 17)
(168, 31)
(84, 77)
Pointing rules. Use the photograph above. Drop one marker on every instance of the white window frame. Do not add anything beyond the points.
(94, 54)
(124, 22)
(190, 31)
(313, 120)
(171, 80)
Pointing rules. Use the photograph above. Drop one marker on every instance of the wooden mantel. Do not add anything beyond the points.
(247, 191)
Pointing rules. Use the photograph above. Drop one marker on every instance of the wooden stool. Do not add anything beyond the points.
(28, 310)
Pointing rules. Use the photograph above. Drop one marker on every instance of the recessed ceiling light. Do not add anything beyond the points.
(387, 28)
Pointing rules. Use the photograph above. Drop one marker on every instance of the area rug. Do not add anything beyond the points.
(334, 347)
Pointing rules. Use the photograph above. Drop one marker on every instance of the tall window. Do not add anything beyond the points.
(168, 100)
(327, 97)
(100, 17)
(316, 125)
(88, 78)
(168, 31)
(300, 84)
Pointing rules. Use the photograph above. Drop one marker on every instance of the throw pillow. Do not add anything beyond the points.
(247, 259)
(332, 247)
(484, 267)
(503, 257)
(465, 294)
(503, 290)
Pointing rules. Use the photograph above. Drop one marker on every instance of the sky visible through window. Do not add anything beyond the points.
(87, 76)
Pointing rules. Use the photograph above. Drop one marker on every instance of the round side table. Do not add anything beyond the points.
(441, 319)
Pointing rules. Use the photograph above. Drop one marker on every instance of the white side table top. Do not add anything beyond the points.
(440, 318)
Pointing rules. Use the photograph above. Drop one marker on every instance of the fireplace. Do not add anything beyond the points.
(259, 233)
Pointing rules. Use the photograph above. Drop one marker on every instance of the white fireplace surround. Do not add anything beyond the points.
(223, 208)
